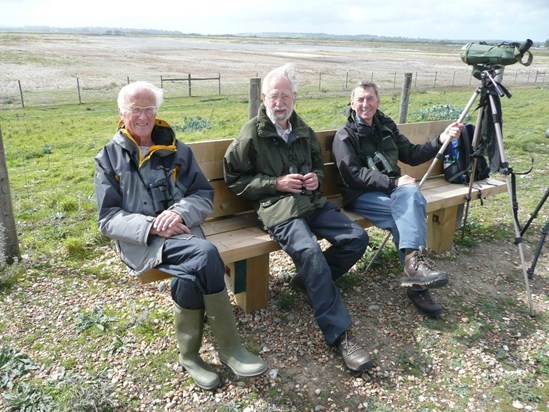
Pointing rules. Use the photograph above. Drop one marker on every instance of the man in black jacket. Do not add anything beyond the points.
(366, 151)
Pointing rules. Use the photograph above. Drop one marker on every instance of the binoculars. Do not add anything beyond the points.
(380, 163)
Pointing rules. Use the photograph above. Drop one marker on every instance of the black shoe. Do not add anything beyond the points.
(298, 285)
(418, 271)
(422, 299)
(354, 356)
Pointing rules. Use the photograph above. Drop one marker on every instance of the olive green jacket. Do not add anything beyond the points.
(259, 155)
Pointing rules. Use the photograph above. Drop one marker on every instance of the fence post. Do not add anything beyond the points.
(161, 82)
(219, 83)
(320, 81)
(78, 87)
(10, 245)
(21, 93)
(254, 97)
(405, 98)
(189, 80)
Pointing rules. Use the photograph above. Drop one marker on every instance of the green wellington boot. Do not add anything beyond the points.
(231, 352)
(189, 325)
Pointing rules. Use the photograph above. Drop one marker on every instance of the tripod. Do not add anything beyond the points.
(491, 92)
(544, 231)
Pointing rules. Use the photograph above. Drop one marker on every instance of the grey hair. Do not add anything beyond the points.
(287, 71)
(364, 84)
(131, 88)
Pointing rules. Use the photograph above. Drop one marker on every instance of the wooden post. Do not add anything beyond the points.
(405, 98)
(78, 87)
(10, 244)
(21, 93)
(255, 97)
(189, 77)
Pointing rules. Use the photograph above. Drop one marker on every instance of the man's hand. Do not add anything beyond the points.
(451, 132)
(310, 181)
(168, 224)
(406, 180)
(296, 183)
(292, 183)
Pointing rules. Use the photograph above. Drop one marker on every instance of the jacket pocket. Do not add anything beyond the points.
(278, 210)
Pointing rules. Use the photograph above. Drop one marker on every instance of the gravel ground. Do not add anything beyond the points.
(484, 342)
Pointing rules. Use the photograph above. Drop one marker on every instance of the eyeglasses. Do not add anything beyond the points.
(283, 96)
(137, 110)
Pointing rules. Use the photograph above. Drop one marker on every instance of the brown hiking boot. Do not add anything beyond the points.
(418, 271)
(424, 302)
(354, 356)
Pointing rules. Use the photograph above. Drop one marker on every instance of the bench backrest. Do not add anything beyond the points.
(209, 155)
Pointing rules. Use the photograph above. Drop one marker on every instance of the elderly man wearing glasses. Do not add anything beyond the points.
(276, 163)
(152, 198)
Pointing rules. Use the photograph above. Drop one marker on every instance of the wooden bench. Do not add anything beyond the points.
(233, 226)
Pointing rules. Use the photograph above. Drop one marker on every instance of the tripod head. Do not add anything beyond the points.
(487, 76)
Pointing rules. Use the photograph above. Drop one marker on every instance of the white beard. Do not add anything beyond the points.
(274, 119)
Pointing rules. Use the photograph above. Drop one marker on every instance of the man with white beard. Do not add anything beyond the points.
(276, 163)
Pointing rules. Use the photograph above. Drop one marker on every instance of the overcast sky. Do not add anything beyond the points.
(477, 20)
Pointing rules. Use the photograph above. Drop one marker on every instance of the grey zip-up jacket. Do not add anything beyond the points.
(132, 189)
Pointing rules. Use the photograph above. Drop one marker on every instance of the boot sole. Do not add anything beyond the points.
(249, 375)
(205, 387)
(433, 284)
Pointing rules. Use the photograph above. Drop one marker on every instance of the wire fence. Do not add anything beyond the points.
(80, 90)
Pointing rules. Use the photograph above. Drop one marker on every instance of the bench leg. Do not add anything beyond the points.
(441, 225)
(249, 281)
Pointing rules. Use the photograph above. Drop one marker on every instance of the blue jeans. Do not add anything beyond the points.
(298, 238)
(402, 212)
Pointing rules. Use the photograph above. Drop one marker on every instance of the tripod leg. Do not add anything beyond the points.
(385, 239)
(474, 144)
(518, 239)
(544, 231)
(535, 212)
